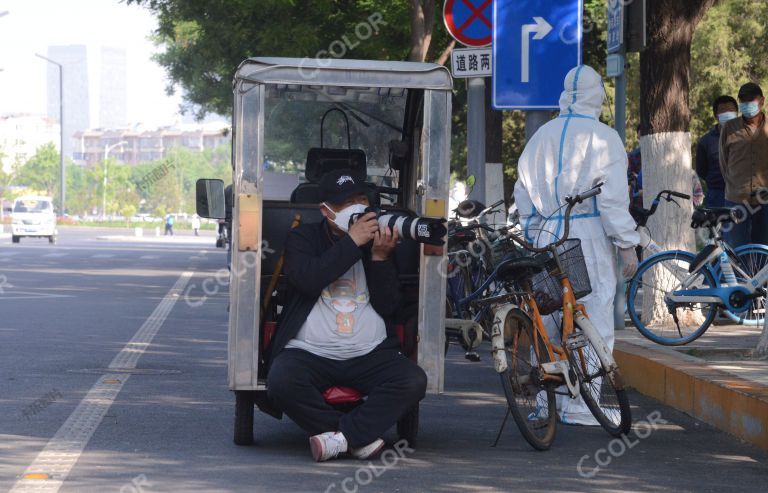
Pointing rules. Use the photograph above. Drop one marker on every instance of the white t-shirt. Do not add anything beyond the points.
(342, 324)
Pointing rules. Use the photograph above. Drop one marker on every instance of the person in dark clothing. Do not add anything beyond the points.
(724, 109)
(229, 202)
(336, 329)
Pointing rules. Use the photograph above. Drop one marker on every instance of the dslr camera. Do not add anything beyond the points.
(422, 229)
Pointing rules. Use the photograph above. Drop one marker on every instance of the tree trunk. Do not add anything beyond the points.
(494, 169)
(762, 344)
(422, 23)
(443, 58)
(665, 121)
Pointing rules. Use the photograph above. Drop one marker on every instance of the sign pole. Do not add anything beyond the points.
(617, 51)
(621, 100)
(476, 136)
(469, 23)
(534, 120)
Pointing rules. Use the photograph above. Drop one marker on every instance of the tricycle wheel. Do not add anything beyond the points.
(408, 426)
(243, 417)
(15, 239)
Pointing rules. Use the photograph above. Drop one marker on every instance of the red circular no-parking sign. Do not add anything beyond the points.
(469, 21)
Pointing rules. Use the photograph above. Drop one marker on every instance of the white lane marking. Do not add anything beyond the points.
(63, 450)
(8, 254)
(102, 255)
(149, 257)
(51, 255)
(28, 295)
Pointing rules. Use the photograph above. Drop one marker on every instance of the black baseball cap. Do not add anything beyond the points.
(338, 185)
(750, 91)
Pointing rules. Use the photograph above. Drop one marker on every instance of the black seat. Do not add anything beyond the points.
(713, 216)
(320, 161)
(518, 269)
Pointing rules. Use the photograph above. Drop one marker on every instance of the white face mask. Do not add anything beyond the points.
(724, 118)
(344, 216)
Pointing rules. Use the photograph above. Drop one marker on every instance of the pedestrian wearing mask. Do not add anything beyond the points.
(744, 165)
(567, 156)
(724, 109)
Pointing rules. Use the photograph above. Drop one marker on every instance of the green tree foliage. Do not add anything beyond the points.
(167, 184)
(204, 42)
(41, 172)
(726, 54)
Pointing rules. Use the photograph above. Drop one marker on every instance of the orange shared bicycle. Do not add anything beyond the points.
(534, 368)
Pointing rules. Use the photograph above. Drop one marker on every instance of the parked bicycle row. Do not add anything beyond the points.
(522, 298)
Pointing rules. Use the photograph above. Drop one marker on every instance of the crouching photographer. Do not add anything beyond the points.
(336, 327)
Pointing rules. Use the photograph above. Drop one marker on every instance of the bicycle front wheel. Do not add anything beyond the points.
(663, 322)
(531, 399)
(751, 259)
(601, 388)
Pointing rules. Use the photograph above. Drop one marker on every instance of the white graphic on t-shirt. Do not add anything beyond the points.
(341, 295)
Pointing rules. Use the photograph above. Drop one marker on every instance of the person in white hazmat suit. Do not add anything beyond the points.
(567, 156)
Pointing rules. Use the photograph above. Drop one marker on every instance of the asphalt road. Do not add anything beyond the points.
(68, 310)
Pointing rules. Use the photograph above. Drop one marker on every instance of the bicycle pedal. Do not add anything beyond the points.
(577, 340)
(472, 356)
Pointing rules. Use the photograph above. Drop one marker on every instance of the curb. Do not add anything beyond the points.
(725, 401)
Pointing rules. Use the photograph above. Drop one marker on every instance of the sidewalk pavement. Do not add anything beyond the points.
(714, 379)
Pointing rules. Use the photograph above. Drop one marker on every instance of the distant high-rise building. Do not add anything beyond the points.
(113, 99)
(90, 77)
(74, 60)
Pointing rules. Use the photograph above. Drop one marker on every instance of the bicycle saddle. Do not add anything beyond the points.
(518, 269)
(714, 216)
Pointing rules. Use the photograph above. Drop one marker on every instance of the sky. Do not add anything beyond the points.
(30, 26)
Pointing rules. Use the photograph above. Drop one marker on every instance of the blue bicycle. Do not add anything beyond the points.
(675, 296)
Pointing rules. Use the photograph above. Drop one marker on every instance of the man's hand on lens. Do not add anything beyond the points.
(363, 230)
(629, 262)
(384, 241)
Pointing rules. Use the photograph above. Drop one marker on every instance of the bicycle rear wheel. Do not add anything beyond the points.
(751, 259)
(647, 300)
(601, 388)
(531, 400)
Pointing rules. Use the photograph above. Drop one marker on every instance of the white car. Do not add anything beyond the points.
(33, 216)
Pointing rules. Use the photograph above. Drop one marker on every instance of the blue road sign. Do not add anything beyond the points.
(535, 44)
(615, 25)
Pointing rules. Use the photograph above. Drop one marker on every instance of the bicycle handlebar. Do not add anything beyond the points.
(489, 209)
(572, 202)
(641, 215)
(677, 194)
(472, 227)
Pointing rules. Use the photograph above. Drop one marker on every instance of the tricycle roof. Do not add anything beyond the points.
(344, 72)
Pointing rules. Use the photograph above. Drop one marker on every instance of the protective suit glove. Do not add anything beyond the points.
(629, 262)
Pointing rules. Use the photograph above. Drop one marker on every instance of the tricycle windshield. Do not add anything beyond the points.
(365, 119)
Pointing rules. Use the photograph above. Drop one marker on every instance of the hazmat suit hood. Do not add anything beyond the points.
(584, 93)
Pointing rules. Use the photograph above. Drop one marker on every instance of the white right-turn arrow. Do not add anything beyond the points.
(542, 28)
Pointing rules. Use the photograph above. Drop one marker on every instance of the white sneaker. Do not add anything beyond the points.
(369, 451)
(327, 445)
(539, 414)
(578, 419)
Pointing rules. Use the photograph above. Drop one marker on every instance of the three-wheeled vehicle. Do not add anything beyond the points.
(293, 120)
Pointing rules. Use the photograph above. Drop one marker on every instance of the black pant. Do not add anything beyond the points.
(392, 382)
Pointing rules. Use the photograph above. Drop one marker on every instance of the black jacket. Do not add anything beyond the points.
(708, 160)
(314, 258)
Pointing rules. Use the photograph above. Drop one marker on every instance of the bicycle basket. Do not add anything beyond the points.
(502, 249)
(546, 286)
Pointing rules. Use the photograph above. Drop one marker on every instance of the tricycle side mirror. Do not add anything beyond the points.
(209, 198)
